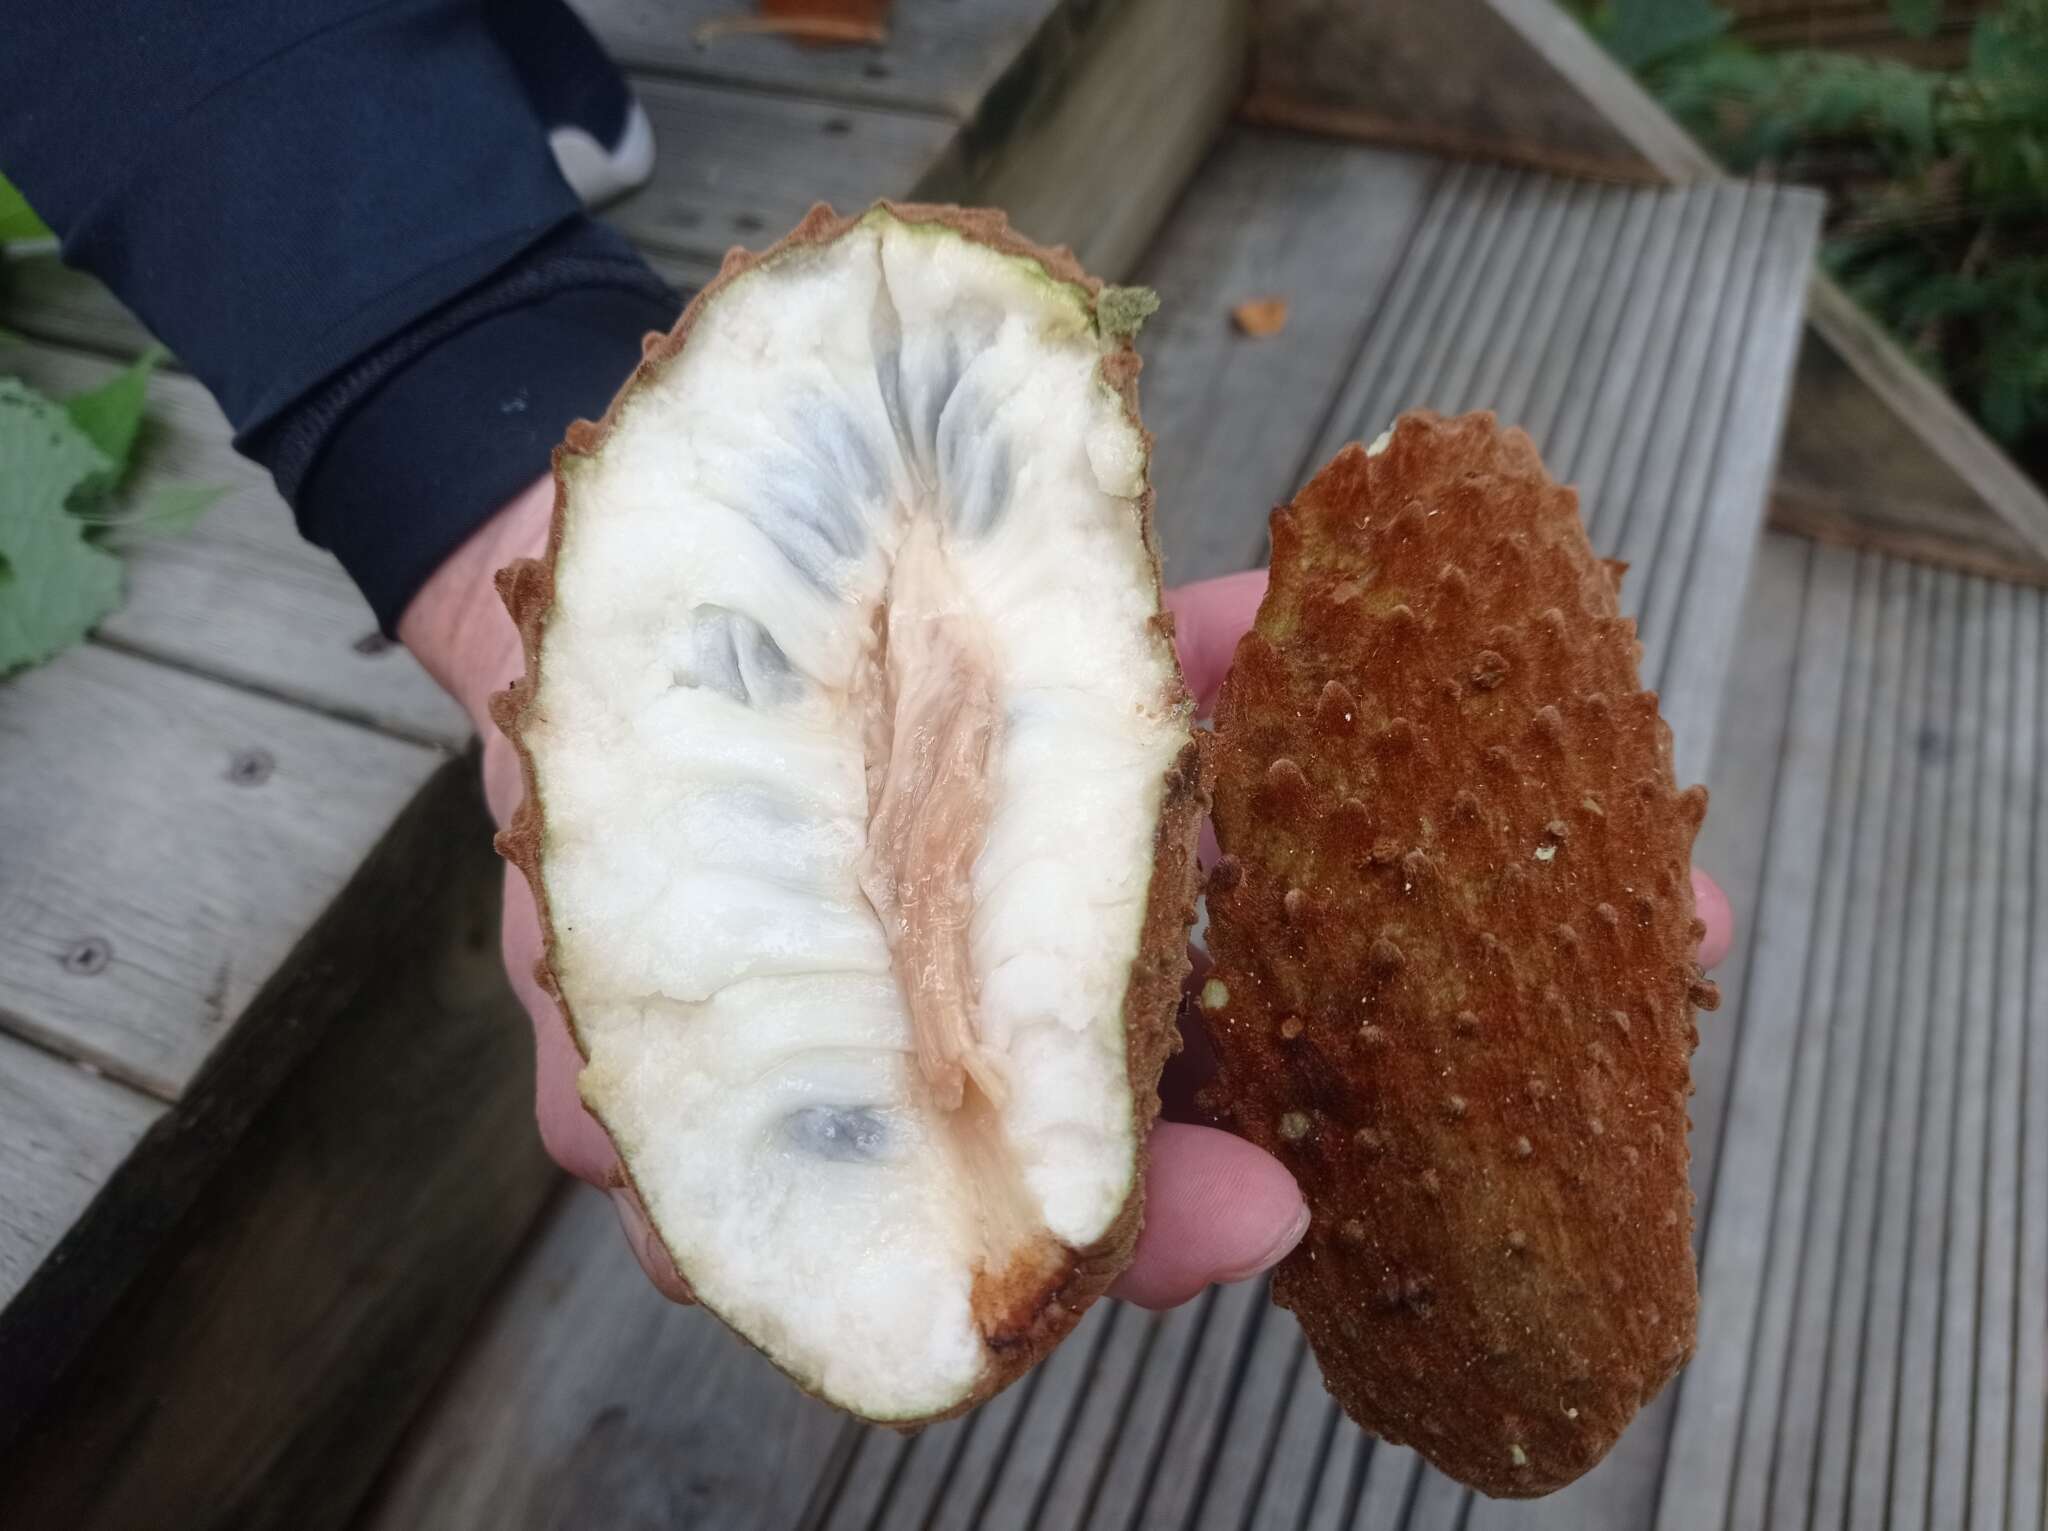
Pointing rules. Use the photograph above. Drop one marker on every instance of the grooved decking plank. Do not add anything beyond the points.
(1977, 1343)
(1951, 1226)
(1337, 1490)
(1244, 1433)
(1393, 1481)
(1738, 1212)
(1847, 1315)
(1306, 1422)
(857, 1499)
(928, 1464)
(1809, 1042)
(1699, 634)
(1042, 1439)
(975, 1480)
(1173, 1404)
(2028, 1432)
(1844, 1010)
(1886, 1353)
(1871, 1345)
(1100, 1432)
(1915, 1404)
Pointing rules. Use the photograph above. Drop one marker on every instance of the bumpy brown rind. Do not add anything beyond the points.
(1019, 1337)
(1455, 957)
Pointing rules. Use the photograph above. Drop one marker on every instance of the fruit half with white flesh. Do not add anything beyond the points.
(861, 797)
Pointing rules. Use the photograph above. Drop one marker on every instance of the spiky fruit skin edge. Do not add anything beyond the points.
(1494, 1274)
(1152, 998)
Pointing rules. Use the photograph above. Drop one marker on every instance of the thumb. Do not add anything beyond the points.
(1216, 1209)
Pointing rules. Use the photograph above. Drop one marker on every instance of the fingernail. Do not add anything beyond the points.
(1282, 1248)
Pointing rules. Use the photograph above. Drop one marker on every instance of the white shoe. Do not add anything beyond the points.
(599, 175)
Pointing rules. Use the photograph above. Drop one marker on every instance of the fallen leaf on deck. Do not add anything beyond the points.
(1260, 317)
(805, 21)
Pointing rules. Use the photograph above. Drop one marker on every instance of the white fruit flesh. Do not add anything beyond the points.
(850, 736)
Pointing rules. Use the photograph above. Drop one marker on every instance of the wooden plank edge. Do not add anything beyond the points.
(1926, 408)
(374, 923)
(269, 1353)
(1826, 518)
(1276, 109)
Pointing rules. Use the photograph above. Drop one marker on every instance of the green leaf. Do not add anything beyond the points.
(173, 509)
(110, 414)
(1642, 32)
(1916, 18)
(17, 219)
(55, 584)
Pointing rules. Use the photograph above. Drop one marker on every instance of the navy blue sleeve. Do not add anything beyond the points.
(344, 218)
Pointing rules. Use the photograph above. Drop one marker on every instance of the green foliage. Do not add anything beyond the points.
(61, 463)
(54, 584)
(111, 414)
(1643, 32)
(1916, 18)
(1938, 185)
(17, 219)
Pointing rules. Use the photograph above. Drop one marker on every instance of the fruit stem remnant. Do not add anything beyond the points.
(933, 730)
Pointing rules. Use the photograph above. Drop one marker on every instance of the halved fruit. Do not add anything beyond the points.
(861, 797)
(1455, 956)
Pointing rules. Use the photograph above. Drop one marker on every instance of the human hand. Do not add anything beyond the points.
(1217, 1208)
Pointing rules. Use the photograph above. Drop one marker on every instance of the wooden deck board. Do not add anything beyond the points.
(1097, 1432)
(1240, 1460)
(63, 1129)
(1870, 1353)
(264, 1356)
(740, 168)
(2027, 973)
(1297, 1456)
(168, 839)
(1038, 1448)
(584, 1398)
(1838, 995)
(1846, 1314)
(242, 596)
(941, 57)
(1267, 215)
(1736, 1216)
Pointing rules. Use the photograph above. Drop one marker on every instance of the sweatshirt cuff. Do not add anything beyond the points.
(393, 463)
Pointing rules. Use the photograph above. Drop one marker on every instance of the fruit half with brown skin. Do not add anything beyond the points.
(1454, 947)
(861, 797)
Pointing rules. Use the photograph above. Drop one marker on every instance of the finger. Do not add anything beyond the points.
(1216, 1209)
(1209, 617)
(1717, 915)
(570, 1133)
(647, 1246)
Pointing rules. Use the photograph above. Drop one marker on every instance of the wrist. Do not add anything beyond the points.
(457, 627)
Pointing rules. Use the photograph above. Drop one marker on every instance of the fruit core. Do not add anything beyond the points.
(932, 731)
